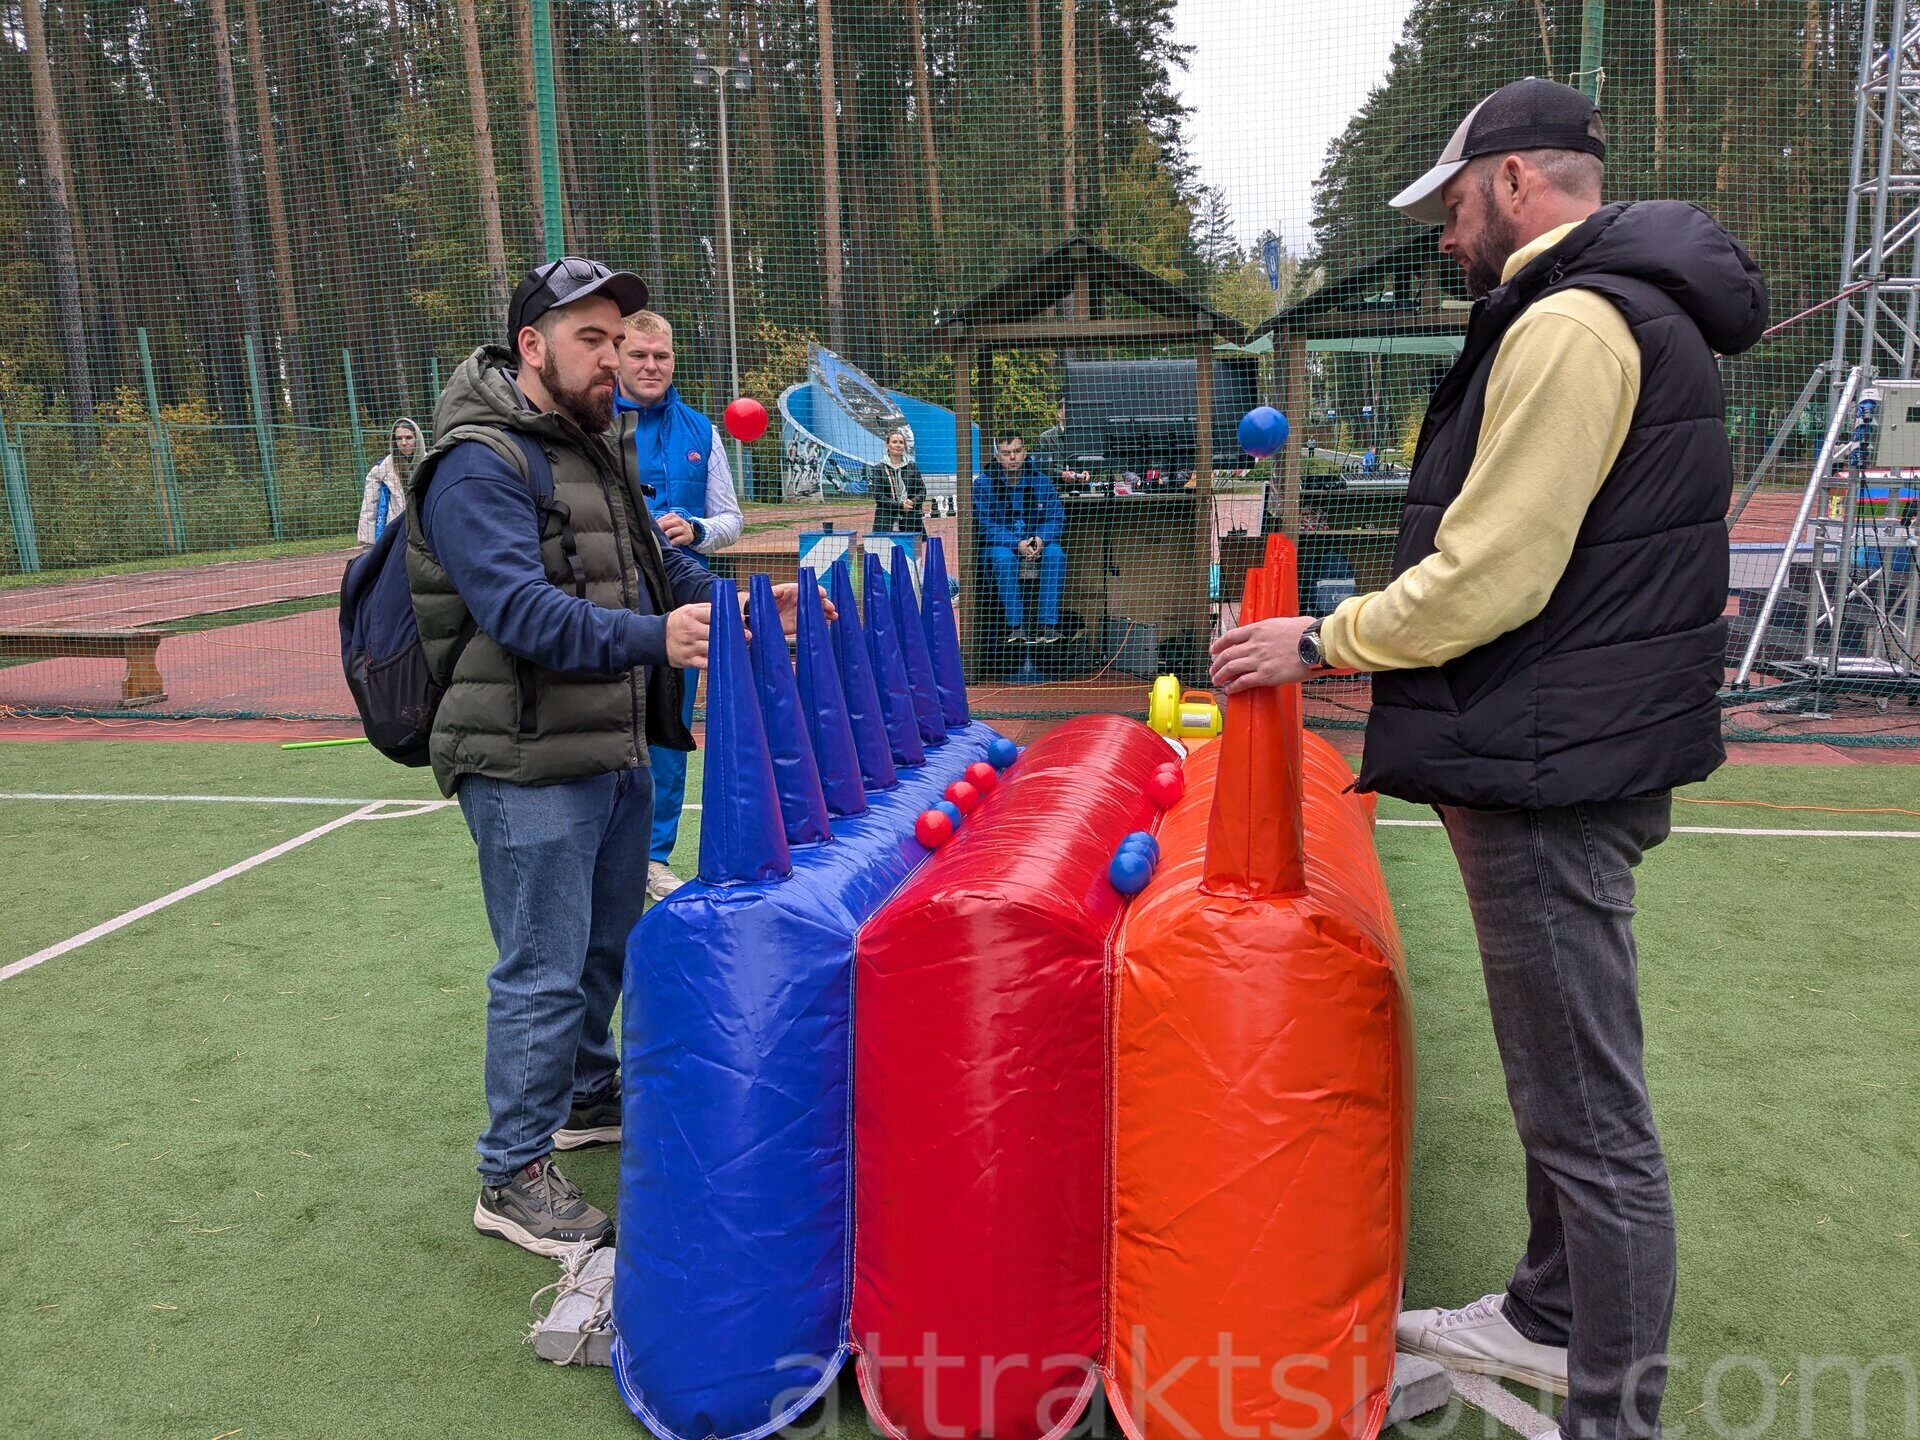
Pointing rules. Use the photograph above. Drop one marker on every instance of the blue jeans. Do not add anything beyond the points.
(1006, 579)
(1551, 893)
(563, 869)
(670, 780)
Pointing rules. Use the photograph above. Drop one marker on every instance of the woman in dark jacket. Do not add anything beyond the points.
(897, 489)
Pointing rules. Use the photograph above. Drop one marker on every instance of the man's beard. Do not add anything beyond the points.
(1488, 260)
(590, 409)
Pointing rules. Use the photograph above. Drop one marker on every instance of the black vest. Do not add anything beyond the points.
(1612, 690)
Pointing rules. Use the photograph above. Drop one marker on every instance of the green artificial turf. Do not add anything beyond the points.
(238, 1133)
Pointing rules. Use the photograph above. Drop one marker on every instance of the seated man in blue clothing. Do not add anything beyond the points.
(681, 456)
(561, 624)
(1021, 519)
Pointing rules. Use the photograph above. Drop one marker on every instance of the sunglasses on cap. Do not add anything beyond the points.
(565, 280)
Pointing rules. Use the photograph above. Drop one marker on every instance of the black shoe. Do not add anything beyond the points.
(1050, 635)
(540, 1210)
(592, 1122)
(1018, 636)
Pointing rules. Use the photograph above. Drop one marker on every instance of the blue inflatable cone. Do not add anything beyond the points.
(742, 838)
(856, 679)
(824, 704)
(913, 649)
(943, 636)
(890, 672)
(803, 805)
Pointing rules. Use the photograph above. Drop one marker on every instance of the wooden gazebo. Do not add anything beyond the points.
(1079, 293)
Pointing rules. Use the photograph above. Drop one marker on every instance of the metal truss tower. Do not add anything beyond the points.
(1854, 536)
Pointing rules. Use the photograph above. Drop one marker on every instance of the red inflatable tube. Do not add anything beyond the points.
(980, 1100)
(1263, 1100)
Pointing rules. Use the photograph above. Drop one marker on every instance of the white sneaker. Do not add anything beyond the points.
(1480, 1340)
(661, 882)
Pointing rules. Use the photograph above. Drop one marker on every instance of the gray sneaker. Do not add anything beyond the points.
(540, 1210)
(661, 881)
(592, 1122)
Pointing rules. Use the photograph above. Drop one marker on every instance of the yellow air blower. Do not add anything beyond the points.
(1190, 716)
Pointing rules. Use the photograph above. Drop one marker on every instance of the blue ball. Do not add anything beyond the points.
(1130, 872)
(1263, 431)
(1002, 752)
(1141, 840)
(950, 810)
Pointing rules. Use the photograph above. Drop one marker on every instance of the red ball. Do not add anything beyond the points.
(932, 829)
(1166, 787)
(746, 419)
(983, 777)
(964, 796)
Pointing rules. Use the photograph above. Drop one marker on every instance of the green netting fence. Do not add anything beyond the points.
(242, 238)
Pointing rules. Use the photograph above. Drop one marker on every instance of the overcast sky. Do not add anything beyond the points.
(1270, 84)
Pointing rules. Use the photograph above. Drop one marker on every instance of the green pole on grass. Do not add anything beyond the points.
(353, 414)
(13, 472)
(1593, 24)
(263, 437)
(166, 479)
(549, 124)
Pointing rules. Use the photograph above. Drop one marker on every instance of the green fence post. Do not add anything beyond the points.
(353, 414)
(13, 471)
(1593, 24)
(549, 123)
(166, 479)
(433, 368)
(263, 437)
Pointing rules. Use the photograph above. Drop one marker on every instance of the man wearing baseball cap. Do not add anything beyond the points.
(558, 624)
(1546, 665)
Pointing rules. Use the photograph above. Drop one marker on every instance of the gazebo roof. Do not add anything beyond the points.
(1409, 288)
(1012, 310)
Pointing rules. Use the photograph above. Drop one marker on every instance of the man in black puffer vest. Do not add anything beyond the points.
(1547, 662)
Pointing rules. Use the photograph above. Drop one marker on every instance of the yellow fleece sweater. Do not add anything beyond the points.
(1559, 401)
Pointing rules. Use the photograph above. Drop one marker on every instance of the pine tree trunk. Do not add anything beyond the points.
(530, 125)
(109, 296)
(830, 240)
(71, 318)
(1659, 84)
(1069, 115)
(923, 102)
(240, 215)
(499, 287)
(1037, 79)
(286, 285)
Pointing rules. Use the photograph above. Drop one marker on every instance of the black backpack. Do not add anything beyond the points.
(380, 647)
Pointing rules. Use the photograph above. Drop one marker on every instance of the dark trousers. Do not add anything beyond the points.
(1552, 898)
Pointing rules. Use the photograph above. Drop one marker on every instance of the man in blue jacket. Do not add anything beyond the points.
(1021, 519)
(680, 454)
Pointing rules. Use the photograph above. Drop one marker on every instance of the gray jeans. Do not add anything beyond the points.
(1552, 898)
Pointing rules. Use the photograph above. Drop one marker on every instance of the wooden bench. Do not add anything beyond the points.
(139, 648)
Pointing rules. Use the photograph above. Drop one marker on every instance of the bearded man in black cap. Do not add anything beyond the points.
(1546, 668)
(558, 622)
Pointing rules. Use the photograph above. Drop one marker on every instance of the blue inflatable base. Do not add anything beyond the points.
(732, 1278)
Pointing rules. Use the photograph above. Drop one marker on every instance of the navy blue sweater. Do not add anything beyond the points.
(480, 519)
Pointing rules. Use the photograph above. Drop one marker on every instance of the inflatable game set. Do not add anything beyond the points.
(1009, 1074)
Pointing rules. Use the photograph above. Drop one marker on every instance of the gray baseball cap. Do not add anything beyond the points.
(1530, 114)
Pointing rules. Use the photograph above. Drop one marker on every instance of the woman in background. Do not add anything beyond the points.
(386, 489)
(899, 492)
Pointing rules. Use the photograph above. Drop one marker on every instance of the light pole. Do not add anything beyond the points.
(707, 70)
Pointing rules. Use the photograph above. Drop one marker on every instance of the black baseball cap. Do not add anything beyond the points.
(563, 281)
(1530, 114)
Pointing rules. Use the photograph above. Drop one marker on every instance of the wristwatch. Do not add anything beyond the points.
(1313, 655)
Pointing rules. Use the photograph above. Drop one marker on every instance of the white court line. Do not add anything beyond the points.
(1502, 1404)
(332, 801)
(1756, 831)
(119, 922)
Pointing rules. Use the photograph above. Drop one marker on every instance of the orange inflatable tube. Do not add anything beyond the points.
(1262, 1101)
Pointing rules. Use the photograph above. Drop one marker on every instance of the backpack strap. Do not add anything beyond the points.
(529, 457)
